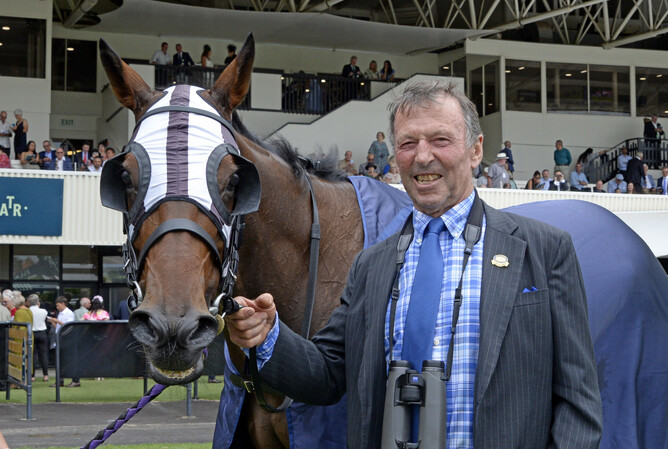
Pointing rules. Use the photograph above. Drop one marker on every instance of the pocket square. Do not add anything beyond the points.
(533, 289)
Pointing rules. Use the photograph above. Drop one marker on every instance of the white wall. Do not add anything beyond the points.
(264, 123)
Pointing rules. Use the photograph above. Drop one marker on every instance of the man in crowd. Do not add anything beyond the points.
(497, 175)
(182, 58)
(84, 307)
(370, 159)
(96, 167)
(599, 187)
(5, 314)
(160, 57)
(5, 133)
(231, 54)
(83, 158)
(578, 179)
(662, 182)
(8, 302)
(559, 183)
(545, 180)
(65, 315)
(60, 163)
(47, 155)
(635, 172)
(346, 164)
(562, 159)
(110, 152)
(351, 70)
(510, 163)
(617, 184)
(648, 185)
(524, 372)
(623, 161)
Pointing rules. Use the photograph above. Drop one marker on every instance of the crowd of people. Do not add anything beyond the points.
(379, 164)
(183, 59)
(352, 70)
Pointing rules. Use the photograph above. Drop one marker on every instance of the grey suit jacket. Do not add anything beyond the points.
(536, 382)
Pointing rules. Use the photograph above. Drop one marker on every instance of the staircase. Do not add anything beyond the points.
(604, 166)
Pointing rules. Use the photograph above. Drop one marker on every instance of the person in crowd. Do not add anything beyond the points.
(562, 159)
(109, 152)
(160, 57)
(40, 337)
(617, 183)
(20, 129)
(534, 183)
(22, 314)
(372, 72)
(347, 164)
(545, 180)
(5, 133)
(182, 58)
(578, 179)
(8, 302)
(47, 154)
(380, 151)
(587, 158)
(206, 57)
(630, 188)
(231, 54)
(623, 161)
(387, 72)
(497, 176)
(371, 171)
(370, 159)
(84, 307)
(96, 312)
(648, 184)
(392, 176)
(599, 186)
(61, 162)
(559, 183)
(351, 70)
(634, 170)
(533, 363)
(65, 315)
(653, 131)
(122, 311)
(83, 158)
(482, 180)
(30, 158)
(5, 314)
(510, 163)
(96, 167)
(102, 149)
(662, 182)
(5, 162)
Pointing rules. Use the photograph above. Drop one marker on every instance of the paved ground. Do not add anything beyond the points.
(73, 425)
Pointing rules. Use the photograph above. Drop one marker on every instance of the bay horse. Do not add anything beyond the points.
(179, 271)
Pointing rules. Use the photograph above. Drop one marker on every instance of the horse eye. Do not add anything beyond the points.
(234, 182)
(126, 178)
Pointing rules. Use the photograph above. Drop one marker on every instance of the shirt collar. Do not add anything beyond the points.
(454, 218)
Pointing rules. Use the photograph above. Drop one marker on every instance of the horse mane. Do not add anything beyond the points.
(319, 164)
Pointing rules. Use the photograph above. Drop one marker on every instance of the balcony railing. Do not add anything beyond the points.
(655, 151)
(318, 94)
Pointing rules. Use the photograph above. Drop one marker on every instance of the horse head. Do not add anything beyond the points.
(181, 183)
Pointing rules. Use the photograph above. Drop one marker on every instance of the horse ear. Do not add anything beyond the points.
(130, 89)
(232, 85)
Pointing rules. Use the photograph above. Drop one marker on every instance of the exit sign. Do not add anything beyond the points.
(67, 122)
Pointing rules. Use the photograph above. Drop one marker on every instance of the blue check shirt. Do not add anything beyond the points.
(460, 388)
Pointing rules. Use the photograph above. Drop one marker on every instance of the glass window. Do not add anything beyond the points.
(609, 89)
(79, 292)
(58, 50)
(566, 87)
(36, 262)
(651, 91)
(477, 89)
(47, 291)
(79, 263)
(491, 87)
(112, 270)
(4, 261)
(74, 65)
(522, 85)
(459, 68)
(22, 47)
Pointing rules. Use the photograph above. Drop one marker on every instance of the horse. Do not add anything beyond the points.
(179, 273)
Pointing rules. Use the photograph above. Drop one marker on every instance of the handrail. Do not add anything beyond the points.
(604, 166)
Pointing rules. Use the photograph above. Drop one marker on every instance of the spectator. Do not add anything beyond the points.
(545, 180)
(96, 167)
(102, 149)
(4, 161)
(370, 158)
(653, 131)
(510, 163)
(599, 187)
(83, 159)
(380, 151)
(578, 179)
(65, 315)
(47, 155)
(648, 185)
(482, 179)
(29, 158)
(8, 302)
(182, 58)
(60, 163)
(623, 161)
(588, 157)
(160, 57)
(96, 312)
(351, 70)
(347, 164)
(5, 133)
(372, 72)
(40, 337)
(617, 183)
(387, 72)
(630, 188)
(534, 183)
(110, 152)
(84, 307)
(371, 171)
(122, 311)
(392, 176)
(662, 182)
(497, 175)
(20, 128)
(562, 159)
(22, 314)
(559, 183)
(231, 54)
(206, 57)
(634, 170)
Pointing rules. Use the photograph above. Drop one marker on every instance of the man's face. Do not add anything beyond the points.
(47, 146)
(353, 61)
(434, 160)
(3, 117)
(625, 151)
(110, 154)
(164, 47)
(599, 184)
(501, 161)
(654, 118)
(349, 155)
(370, 157)
(178, 48)
(85, 147)
(645, 168)
(578, 168)
(60, 153)
(546, 174)
(7, 303)
(60, 306)
(558, 146)
(97, 162)
(664, 171)
(371, 170)
(508, 144)
(558, 175)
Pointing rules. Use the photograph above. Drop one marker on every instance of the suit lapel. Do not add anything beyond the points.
(499, 288)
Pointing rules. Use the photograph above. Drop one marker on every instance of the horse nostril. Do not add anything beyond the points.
(202, 334)
(146, 329)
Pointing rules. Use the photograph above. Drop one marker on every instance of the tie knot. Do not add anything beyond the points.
(435, 226)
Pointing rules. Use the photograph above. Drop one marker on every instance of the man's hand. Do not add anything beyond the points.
(249, 326)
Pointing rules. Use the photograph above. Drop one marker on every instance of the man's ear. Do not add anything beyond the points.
(476, 153)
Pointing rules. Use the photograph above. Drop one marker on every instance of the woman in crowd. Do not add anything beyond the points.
(534, 182)
(20, 128)
(588, 157)
(23, 314)
(30, 158)
(372, 171)
(4, 161)
(392, 176)
(96, 312)
(387, 72)
(206, 57)
(380, 151)
(372, 72)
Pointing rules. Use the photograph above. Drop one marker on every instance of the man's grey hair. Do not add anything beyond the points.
(640, 155)
(7, 294)
(33, 300)
(18, 112)
(427, 93)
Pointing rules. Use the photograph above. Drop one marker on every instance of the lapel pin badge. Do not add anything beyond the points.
(500, 260)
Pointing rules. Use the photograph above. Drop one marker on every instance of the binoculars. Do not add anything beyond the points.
(406, 390)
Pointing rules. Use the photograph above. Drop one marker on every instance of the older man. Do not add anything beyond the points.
(578, 179)
(84, 307)
(523, 371)
(65, 315)
(5, 314)
(5, 133)
(617, 183)
(61, 162)
(497, 175)
(347, 164)
(562, 159)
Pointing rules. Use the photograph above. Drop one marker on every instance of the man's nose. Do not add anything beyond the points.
(423, 153)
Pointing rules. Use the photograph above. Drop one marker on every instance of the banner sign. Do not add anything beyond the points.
(30, 206)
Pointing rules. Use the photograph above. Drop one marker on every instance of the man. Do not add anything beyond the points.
(648, 185)
(662, 182)
(5, 314)
(617, 183)
(5, 133)
(351, 70)
(559, 183)
(8, 302)
(562, 159)
(84, 307)
(182, 58)
(160, 57)
(40, 337)
(497, 176)
(634, 171)
(83, 158)
(96, 167)
(623, 161)
(231, 54)
(524, 373)
(578, 179)
(46, 156)
(346, 164)
(599, 187)
(510, 162)
(60, 163)
(110, 152)
(65, 315)
(545, 180)
(370, 159)
(653, 131)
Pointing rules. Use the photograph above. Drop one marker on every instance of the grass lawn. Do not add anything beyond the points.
(145, 446)
(110, 390)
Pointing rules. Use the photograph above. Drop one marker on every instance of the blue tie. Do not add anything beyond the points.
(425, 298)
